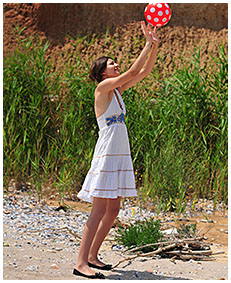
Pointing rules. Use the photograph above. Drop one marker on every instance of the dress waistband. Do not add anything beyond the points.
(114, 119)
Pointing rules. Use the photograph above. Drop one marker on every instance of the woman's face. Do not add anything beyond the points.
(111, 70)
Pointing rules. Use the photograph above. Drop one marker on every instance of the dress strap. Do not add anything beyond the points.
(118, 99)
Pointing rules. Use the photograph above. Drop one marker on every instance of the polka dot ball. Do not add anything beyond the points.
(157, 14)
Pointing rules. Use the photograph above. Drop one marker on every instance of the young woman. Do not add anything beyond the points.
(111, 174)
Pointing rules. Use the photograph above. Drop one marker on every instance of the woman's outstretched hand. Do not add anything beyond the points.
(150, 35)
(146, 32)
(153, 34)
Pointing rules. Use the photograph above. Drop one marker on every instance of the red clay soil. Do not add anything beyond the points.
(197, 26)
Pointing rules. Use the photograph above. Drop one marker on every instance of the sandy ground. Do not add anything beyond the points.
(52, 262)
(30, 260)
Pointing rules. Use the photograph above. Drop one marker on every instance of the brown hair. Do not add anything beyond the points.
(98, 67)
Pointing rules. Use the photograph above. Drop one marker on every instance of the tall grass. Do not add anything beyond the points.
(179, 144)
(29, 85)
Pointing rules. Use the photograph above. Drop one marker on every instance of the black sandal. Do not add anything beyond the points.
(96, 276)
(105, 267)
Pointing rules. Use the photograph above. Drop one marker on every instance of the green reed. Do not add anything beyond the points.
(178, 143)
(28, 85)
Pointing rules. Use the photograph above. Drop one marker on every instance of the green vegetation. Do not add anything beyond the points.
(140, 234)
(179, 144)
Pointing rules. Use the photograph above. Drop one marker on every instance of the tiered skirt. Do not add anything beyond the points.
(111, 173)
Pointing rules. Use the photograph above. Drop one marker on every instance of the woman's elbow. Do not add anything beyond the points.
(145, 72)
(142, 73)
(133, 73)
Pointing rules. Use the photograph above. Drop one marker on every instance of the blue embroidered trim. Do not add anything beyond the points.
(115, 119)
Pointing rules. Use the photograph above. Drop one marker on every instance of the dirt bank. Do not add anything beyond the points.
(56, 22)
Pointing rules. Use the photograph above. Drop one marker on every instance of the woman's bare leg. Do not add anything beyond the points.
(98, 211)
(112, 210)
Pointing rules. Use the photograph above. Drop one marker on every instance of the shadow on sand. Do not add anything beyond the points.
(139, 275)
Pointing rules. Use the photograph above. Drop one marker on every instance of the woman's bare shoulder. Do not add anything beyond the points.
(102, 100)
(100, 92)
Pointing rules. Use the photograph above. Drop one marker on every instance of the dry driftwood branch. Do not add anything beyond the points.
(204, 233)
(57, 229)
(203, 253)
(189, 241)
(184, 249)
(161, 249)
(218, 253)
(195, 257)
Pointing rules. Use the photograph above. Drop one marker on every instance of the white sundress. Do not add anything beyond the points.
(111, 173)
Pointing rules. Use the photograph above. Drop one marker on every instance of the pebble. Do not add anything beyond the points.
(33, 268)
(207, 221)
(54, 266)
(43, 202)
(224, 231)
(37, 225)
(116, 247)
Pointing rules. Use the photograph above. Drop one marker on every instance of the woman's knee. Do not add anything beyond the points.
(99, 208)
(113, 212)
(113, 208)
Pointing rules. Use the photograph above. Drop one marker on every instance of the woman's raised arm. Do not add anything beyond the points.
(111, 83)
(148, 66)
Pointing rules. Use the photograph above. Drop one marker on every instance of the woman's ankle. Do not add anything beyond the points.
(92, 258)
(81, 264)
(95, 260)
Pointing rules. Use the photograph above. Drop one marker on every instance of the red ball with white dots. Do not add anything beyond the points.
(157, 14)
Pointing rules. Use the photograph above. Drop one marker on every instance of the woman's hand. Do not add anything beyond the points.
(153, 34)
(146, 32)
(149, 34)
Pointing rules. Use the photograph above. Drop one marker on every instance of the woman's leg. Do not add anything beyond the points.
(98, 211)
(113, 207)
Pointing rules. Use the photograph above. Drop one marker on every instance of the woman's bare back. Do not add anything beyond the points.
(102, 102)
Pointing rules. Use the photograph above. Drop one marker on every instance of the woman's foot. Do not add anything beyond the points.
(96, 263)
(95, 276)
(85, 269)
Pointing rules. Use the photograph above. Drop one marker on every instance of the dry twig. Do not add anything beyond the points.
(57, 229)
(184, 249)
(188, 241)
